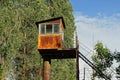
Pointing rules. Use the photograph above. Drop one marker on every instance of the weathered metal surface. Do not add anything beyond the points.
(50, 41)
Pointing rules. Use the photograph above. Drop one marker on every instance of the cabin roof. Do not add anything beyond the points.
(52, 19)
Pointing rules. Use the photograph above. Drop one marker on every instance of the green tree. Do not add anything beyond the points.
(0, 71)
(10, 39)
(30, 12)
(18, 41)
(102, 59)
(17, 20)
(117, 58)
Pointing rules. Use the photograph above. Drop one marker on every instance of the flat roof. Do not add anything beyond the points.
(52, 19)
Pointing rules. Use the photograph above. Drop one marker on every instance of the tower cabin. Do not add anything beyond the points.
(50, 33)
(51, 38)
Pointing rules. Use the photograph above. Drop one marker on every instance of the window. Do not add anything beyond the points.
(48, 28)
(56, 28)
(42, 30)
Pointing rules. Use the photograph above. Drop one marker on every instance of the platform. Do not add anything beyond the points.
(58, 53)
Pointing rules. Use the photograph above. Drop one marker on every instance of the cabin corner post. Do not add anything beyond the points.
(46, 68)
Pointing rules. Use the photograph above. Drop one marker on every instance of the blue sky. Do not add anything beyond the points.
(94, 7)
(97, 20)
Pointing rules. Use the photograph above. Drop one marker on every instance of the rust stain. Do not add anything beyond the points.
(52, 41)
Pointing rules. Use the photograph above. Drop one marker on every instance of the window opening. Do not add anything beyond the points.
(42, 29)
(48, 28)
(56, 28)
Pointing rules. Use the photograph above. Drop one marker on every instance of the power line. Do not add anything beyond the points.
(92, 66)
(85, 48)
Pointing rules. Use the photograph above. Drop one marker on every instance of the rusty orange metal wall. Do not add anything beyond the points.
(50, 41)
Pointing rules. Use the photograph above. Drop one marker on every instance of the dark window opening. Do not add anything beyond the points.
(49, 28)
(56, 28)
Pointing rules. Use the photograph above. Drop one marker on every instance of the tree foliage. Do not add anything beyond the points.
(102, 59)
(18, 41)
(117, 58)
(17, 21)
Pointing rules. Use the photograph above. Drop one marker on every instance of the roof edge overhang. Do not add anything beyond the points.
(52, 19)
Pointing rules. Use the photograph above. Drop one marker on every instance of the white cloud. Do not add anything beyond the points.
(99, 28)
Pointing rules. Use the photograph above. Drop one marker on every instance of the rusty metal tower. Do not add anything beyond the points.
(51, 44)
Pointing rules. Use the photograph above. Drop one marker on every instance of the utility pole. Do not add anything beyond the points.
(46, 68)
(77, 58)
(84, 74)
